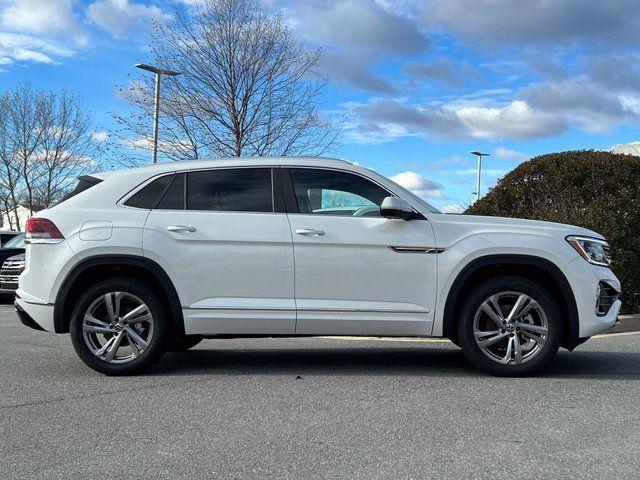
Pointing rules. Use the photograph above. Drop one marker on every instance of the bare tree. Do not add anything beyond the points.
(247, 87)
(45, 142)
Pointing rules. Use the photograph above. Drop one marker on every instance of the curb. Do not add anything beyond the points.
(628, 323)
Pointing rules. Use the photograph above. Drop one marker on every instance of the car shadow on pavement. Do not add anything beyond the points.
(381, 361)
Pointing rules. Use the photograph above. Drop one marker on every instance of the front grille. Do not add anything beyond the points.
(11, 270)
(606, 297)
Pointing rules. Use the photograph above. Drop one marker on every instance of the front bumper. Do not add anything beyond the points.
(8, 287)
(585, 280)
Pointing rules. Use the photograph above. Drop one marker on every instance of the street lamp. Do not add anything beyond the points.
(156, 101)
(479, 155)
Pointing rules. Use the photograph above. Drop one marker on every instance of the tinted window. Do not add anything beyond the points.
(329, 192)
(231, 190)
(147, 197)
(173, 198)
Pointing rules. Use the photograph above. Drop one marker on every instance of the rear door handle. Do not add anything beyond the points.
(312, 232)
(181, 229)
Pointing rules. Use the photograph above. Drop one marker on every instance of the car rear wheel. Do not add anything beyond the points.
(510, 326)
(119, 327)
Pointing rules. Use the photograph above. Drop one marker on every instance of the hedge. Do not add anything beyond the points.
(593, 189)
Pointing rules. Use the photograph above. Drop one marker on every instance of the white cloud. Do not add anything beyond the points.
(453, 208)
(358, 23)
(38, 31)
(456, 120)
(419, 185)
(516, 120)
(631, 148)
(16, 47)
(121, 18)
(491, 23)
(355, 35)
(506, 154)
(101, 136)
(49, 18)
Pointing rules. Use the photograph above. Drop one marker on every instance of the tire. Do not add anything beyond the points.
(182, 344)
(136, 325)
(535, 330)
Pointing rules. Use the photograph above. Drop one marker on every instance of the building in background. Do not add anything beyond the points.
(9, 221)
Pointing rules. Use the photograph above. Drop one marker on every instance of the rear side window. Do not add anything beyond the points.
(85, 182)
(230, 190)
(148, 196)
(173, 198)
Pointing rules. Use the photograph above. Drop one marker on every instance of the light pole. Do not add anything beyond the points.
(156, 101)
(479, 155)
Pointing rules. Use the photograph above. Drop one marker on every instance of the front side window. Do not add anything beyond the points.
(230, 190)
(330, 192)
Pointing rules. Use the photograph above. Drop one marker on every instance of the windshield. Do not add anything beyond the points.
(15, 242)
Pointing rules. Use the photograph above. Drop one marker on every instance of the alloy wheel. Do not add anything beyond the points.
(118, 327)
(510, 328)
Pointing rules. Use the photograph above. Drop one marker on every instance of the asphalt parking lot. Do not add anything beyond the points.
(316, 408)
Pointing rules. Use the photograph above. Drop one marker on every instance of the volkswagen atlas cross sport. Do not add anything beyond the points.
(138, 262)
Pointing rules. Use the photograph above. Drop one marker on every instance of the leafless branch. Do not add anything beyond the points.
(248, 88)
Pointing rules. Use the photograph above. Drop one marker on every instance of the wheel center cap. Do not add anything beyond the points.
(118, 327)
(511, 327)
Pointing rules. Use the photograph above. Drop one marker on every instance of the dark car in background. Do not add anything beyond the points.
(9, 272)
(15, 246)
(6, 235)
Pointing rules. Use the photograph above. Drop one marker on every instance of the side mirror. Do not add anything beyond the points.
(396, 207)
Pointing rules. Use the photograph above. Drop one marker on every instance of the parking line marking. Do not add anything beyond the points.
(437, 339)
(620, 334)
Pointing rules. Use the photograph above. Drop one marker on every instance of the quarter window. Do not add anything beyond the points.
(230, 190)
(330, 192)
(147, 196)
(173, 199)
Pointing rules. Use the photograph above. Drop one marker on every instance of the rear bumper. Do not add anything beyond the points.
(26, 319)
(39, 313)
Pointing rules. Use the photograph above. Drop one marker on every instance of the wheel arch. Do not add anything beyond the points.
(96, 268)
(538, 269)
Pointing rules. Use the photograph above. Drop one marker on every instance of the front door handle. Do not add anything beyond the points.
(181, 229)
(312, 232)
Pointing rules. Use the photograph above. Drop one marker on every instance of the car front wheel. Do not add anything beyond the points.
(510, 326)
(119, 327)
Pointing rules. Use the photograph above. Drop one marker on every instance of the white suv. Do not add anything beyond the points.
(138, 262)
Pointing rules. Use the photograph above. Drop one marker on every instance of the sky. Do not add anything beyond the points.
(415, 84)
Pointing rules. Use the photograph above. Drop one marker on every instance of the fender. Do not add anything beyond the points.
(570, 310)
(122, 260)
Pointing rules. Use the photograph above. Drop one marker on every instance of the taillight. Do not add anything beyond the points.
(42, 230)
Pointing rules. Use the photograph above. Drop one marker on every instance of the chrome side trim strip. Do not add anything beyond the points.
(417, 249)
(243, 308)
(309, 309)
(367, 310)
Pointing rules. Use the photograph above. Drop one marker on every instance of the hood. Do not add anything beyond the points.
(504, 224)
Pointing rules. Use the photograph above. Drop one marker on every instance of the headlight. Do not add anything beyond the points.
(593, 250)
